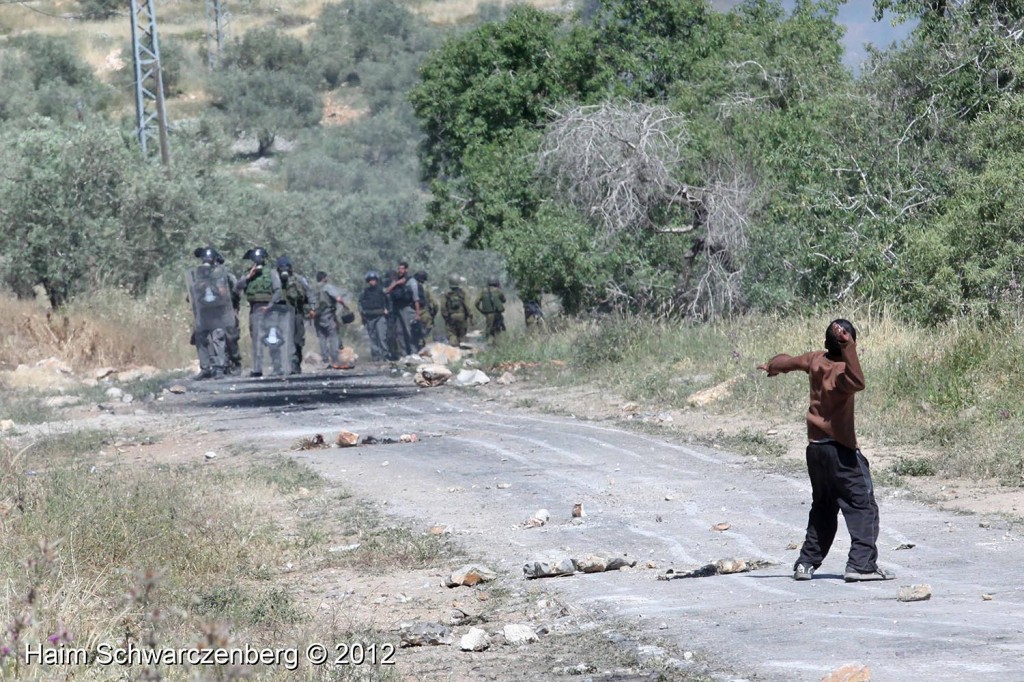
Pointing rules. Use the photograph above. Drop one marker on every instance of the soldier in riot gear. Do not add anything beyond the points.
(374, 309)
(234, 332)
(209, 289)
(262, 289)
(300, 296)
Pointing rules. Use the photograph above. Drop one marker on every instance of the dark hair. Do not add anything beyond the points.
(831, 342)
(321, 275)
(404, 264)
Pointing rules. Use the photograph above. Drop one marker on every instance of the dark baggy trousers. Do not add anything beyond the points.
(840, 480)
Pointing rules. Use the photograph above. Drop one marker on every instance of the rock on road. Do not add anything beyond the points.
(656, 500)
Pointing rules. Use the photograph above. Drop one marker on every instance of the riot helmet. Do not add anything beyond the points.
(454, 280)
(420, 277)
(284, 263)
(207, 253)
(372, 274)
(256, 254)
(493, 282)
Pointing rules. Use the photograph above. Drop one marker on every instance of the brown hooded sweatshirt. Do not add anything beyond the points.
(833, 385)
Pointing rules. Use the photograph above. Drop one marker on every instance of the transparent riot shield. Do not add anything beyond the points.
(273, 337)
(209, 290)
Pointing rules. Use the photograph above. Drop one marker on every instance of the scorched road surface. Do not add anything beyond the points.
(657, 501)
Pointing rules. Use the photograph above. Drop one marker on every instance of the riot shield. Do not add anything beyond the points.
(209, 290)
(273, 336)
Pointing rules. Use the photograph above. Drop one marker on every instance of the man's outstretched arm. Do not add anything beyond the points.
(783, 363)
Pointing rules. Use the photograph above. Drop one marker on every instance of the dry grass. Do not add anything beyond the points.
(453, 12)
(163, 556)
(954, 391)
(109, 328)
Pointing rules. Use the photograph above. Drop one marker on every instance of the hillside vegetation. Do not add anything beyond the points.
(299, 140)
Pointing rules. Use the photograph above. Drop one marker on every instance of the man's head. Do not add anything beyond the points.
(403, 269)
(321, 276)
(421, 277)
(284, 264)
(372, 278)
(832, 345)
(493, 282)
(454, 280)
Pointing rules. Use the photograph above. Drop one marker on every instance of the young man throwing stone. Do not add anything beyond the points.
(840, 476)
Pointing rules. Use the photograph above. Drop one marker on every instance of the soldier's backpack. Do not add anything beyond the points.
(454, 306)
(490, 304)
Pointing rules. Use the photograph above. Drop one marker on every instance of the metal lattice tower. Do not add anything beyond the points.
(217, 20)
(151, 116)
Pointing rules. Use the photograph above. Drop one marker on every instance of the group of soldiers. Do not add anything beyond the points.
(398, 313)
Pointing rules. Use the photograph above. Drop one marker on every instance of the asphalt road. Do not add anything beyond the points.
(656, 500)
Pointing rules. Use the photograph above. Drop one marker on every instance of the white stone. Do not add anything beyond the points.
(472, 377)
(516, 634)
(475, 640)
(114, 393)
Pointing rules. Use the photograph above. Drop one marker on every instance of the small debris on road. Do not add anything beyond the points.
(720, 567)
(852, 672)
(470, 575)
(313, 443)
(986, 597)
(905, 545)
(503, 486)
(472, 377)
(598, 563)
(577, 511)
(177, 389)
(440, 530)
(539, 518)
(517, 634)
(506, 378)
(549, 569)
(721, 527)
(423, 633)
(442, 354)
(428, 376)
(793, 545)
(408, 438)
(210, 455)
(631, 408)
(347, 439)
(915, 593)
(475, 640)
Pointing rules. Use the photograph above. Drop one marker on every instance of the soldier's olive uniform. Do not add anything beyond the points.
(429, 307)
(262, 291)
(234, 333)
(491, 302)
(298, 296)
(328, 327)
(456, 314)
(373, 307)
